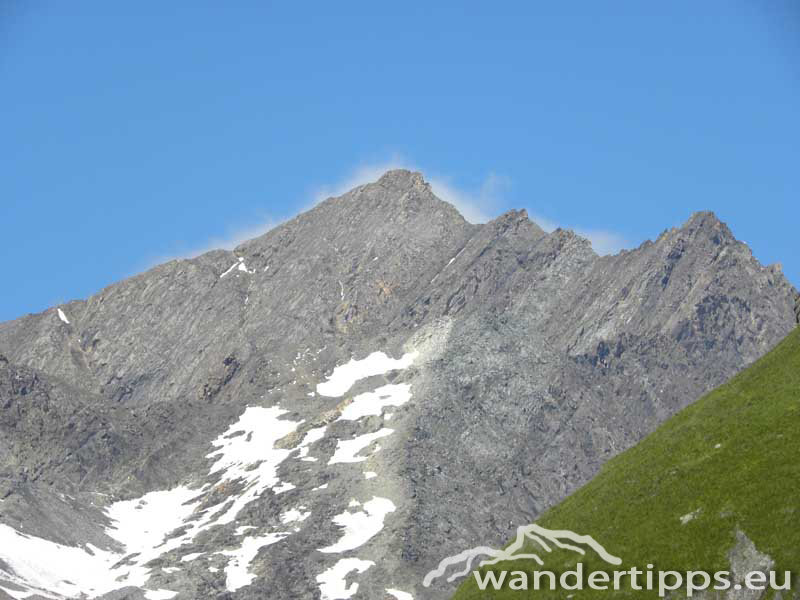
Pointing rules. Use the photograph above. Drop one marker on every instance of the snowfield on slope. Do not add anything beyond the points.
(248, 454)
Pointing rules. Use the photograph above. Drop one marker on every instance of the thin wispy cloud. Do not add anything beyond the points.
(603, 241)
(476, 205)
(223, 242)
(361, 175)
(239, 236)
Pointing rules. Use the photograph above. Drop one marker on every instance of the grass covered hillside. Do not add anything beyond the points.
(724, 468)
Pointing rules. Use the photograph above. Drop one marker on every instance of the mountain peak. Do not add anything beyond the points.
(403, 179)
(701, 225)
(444, 337)
(707, 221)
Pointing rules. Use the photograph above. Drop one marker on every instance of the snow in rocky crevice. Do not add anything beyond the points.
(332, 582)
(160, 594)
(347, 450)
(62, 316)
(373, 403)
(399, 594)
(239, 265)
(295, 515)
(450, 262)
(361, 525)
(312, 435)
(191, 557)
(345, 376)
(237, 572)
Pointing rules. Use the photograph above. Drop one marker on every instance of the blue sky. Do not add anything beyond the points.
(132, 134)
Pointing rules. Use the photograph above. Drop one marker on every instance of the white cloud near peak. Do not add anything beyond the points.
(476, 205)
(603, 241)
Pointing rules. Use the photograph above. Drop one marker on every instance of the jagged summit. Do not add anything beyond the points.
(707, 223)
(402, 198)
(403, 179)
(398, 194)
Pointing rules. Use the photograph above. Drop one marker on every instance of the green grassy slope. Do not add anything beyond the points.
(734, 456)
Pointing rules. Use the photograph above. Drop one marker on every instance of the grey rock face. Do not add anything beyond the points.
(537, 362)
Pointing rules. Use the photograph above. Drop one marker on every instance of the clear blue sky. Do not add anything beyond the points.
(134, 133)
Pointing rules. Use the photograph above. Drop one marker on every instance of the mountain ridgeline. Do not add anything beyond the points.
(243, 390)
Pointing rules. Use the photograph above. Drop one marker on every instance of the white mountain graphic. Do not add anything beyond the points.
(535, 533)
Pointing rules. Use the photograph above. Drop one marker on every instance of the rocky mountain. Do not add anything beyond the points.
(331, 408)
(716, 487)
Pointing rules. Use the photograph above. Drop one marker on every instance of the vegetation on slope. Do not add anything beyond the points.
(732, 460)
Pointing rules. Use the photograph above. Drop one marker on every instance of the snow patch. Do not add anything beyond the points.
(159, 594)
(241, 530)
(295, 515)
(312, 435)
(377, 363)
(360, 526)
(346, 450)
(62, 316)
(143, 525)
(261, 428)
(237, 571)
(332, 582)
(372, 403)
(399, 594)
(246, 454)
(239, 265)
(191, 557)
(283, 487)
(52, 570)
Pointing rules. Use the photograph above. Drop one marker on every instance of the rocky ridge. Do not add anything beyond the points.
(535, 361)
